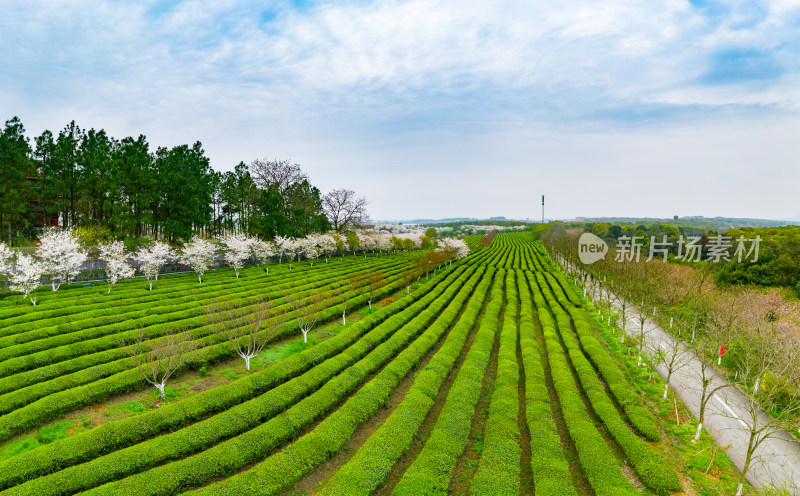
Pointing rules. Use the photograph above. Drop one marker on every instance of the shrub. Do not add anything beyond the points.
(92, 235)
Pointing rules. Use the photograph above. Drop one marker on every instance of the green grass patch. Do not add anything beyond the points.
(21, 446)
(45, 435)
(135, 406)
(367, 310)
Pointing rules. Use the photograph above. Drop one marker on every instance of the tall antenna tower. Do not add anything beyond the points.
(542, 209)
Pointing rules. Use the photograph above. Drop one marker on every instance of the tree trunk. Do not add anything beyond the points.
(160, 388)
(697, 434)
(247, 362)
(750, 449)
(666, 389)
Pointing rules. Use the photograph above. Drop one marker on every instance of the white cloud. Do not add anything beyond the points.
(370, 94)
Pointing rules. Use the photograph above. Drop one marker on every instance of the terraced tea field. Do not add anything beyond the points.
(489, 379)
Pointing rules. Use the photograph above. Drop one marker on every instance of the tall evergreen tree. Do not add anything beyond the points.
(303, 204)
(15, 166)
(45, 189)
(135, 185)
(270, 219)
(239, 193)
(95, 164)
(183, 179)
(64, 173)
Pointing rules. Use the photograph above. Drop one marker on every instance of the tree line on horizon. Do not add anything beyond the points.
(777, 264)
(86, 178)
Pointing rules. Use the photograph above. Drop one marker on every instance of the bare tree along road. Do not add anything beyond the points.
(728, 415)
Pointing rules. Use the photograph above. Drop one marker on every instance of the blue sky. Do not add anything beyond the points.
(441, 108)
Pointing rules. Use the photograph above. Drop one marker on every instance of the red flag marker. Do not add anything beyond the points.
(721, 352)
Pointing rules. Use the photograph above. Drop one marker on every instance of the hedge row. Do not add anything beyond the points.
(90, 298)
(108, 304)
(369, 468)
(560, 285)
(215, 349)
(96, 366)
(641, 420)
(599, 464)
(431, 471)
(652, 470)
(499, 465)
(64, 347)
(537, 259)
(551, 475)
(93, 319)
(21, 383)
(241, 425)
(521, 251)
(83, 300)
(120, 434)
(285, 467)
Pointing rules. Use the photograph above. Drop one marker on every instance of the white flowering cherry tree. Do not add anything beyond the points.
(237, 250)
(288, 247)
(369, 242)
(261, 251)
(299, 249)
(117, 266)
(283, 247)
(383, 242)
(61, 256)
(151, 260)
(27, 277)
(198, 254)
(309, 248)
(453, 248)
(6, 257)
(327, 245)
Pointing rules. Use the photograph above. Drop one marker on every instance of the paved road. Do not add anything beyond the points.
(726, 418)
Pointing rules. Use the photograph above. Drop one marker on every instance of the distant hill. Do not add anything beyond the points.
(427, 221)
(449, 220)
(715, 223)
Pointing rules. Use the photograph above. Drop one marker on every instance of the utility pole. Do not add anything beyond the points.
(542, 209)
